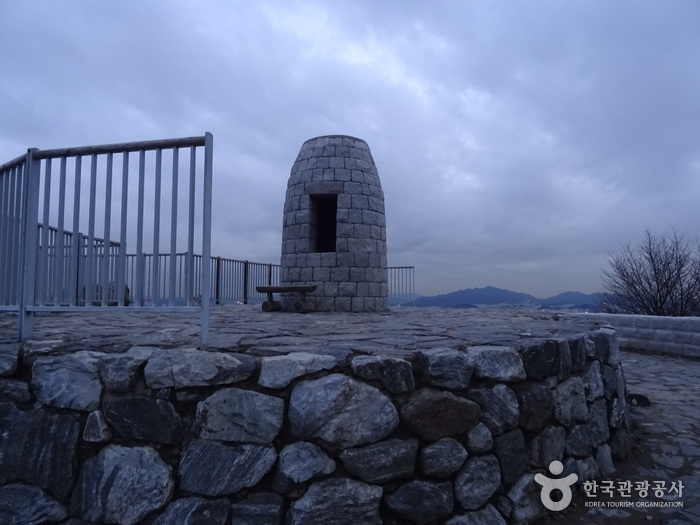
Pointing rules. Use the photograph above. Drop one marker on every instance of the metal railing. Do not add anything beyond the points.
(235, 281)
(401, 285)
(165, 209)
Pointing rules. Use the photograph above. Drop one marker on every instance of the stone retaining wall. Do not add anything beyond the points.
(178, 436)
(660, 335)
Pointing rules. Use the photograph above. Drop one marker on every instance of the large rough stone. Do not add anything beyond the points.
(499, 408)
(118, 371)
(340, 501)
(510, 451)
(500, 363)
(232, 414)
(137, 417)
(383, 461)
(9, 357)
(486, 516)
(565, 363)
(422, 501)
(279, 371)
(541, 359)
(341, 411)
(593, 381)
(584, 468)
(69, 381)
(547, 446)
(610, 386)
(28, 505)
(185, 367)
(262, 508)
(395, 374)
(579, 441)
(598, 421)
(578, 350)
(621, 444)
(195, 511)
(211, 468)
(476, 481)
(603, 341)
(479, 439)
(96, 428)
(38, 448)
(570, 402)
(122, 485)
(433, 414)
(603, 457)
(443, 458)
(299, 462)
(536, 405)
(527, 505)
(445, 367)
(15, 390)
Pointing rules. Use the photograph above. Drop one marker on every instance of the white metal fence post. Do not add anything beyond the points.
(29, 244)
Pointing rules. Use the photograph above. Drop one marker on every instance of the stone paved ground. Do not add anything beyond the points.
(668, 431)
(668, 443)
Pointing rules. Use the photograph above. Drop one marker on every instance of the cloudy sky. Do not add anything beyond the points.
(518, 143)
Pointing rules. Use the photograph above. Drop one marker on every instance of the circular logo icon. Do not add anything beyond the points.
(549, 484)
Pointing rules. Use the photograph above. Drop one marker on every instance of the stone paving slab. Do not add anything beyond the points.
(667, 447)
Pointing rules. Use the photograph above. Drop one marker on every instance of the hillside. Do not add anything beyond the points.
(491, 296)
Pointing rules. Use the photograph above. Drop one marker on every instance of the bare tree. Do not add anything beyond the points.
(659, 277)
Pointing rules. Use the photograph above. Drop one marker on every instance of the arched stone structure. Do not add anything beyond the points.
(334, 230)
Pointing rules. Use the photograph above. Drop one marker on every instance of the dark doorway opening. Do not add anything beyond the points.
(324, 211)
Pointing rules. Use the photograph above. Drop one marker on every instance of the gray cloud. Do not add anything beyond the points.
(517, 143)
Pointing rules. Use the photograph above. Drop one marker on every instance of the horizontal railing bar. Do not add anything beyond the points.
(119, 148)
(16, 162)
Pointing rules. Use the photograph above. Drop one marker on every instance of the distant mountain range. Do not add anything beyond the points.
(492, 296)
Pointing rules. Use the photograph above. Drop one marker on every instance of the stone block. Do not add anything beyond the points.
(445, 367)
(213, 469)
(500, 363)
(29, 505)
(257, 509)
(510, 450)
(396, 375)
(142, 418)
(122, 485)
(500, 411)
(69, 381)
(593, 381)
(547, 446)
(479, 439)
(486, 516)
(9, 357)
(337, 500)
(422, 501)
(541, 359)
(243, 416)
(383, 461)
(299, 462)
(536, 405)
(443, 458)
(195, 511)
(279, 371)
(570, 402)
(433, 414)
(186, 367)
(477, 481)
(341, 412)
(39, 448)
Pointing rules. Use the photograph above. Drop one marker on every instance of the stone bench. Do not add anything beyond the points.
(301, 306)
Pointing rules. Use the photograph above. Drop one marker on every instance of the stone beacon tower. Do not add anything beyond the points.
(334, 229)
